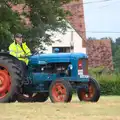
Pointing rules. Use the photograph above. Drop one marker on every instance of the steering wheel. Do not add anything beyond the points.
(34, 53)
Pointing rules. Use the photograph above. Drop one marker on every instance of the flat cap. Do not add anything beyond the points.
(18, 35)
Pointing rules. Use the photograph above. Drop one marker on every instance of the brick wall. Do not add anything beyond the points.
(100, 53)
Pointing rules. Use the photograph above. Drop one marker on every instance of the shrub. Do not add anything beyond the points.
(98, 71)
(110, 84)
(108, 80)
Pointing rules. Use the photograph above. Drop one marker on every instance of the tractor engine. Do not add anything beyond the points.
(60, 69)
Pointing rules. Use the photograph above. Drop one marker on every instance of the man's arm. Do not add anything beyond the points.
(13, 52)
(28, 51)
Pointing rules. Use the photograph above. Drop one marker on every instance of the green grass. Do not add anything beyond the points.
(107, 108)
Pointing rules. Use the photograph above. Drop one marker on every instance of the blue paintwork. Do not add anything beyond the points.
(56, 57)
(42, 81)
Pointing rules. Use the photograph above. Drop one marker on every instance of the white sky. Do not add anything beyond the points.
(104, 16)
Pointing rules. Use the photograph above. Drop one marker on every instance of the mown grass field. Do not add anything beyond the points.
(108, 108)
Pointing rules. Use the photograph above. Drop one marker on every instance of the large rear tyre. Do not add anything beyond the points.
(10, 80)
(93, 93)
(60, 91)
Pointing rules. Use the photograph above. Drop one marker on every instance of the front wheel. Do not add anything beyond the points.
(60, 91)
(93, 93)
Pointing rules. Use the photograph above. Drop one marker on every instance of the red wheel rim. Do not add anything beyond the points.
(59, 92)
(5, 83)
(87, 96)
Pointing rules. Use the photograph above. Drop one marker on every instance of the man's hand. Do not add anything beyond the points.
(22, 56)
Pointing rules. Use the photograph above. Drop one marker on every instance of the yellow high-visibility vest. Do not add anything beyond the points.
(16, 51)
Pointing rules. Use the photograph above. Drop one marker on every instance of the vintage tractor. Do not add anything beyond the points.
(53, 76)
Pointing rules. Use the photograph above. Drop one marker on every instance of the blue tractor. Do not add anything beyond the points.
(55, 76)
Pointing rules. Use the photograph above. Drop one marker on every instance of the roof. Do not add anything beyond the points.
(77, 19)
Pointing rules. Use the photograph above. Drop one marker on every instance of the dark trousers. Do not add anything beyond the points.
(23, 66)
(24, 69)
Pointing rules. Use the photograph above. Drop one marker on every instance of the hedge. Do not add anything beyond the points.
(110, 84)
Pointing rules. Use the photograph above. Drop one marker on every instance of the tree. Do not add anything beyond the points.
(117, 59)
(45, 16)
(118, 41)
(106, 38)
(116, 54)
(91, 38)
(10, 23)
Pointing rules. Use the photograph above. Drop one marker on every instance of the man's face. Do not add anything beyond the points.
(19, 40)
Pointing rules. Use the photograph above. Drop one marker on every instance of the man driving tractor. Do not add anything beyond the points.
(19, 49)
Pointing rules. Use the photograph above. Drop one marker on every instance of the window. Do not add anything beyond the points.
(62, 49)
